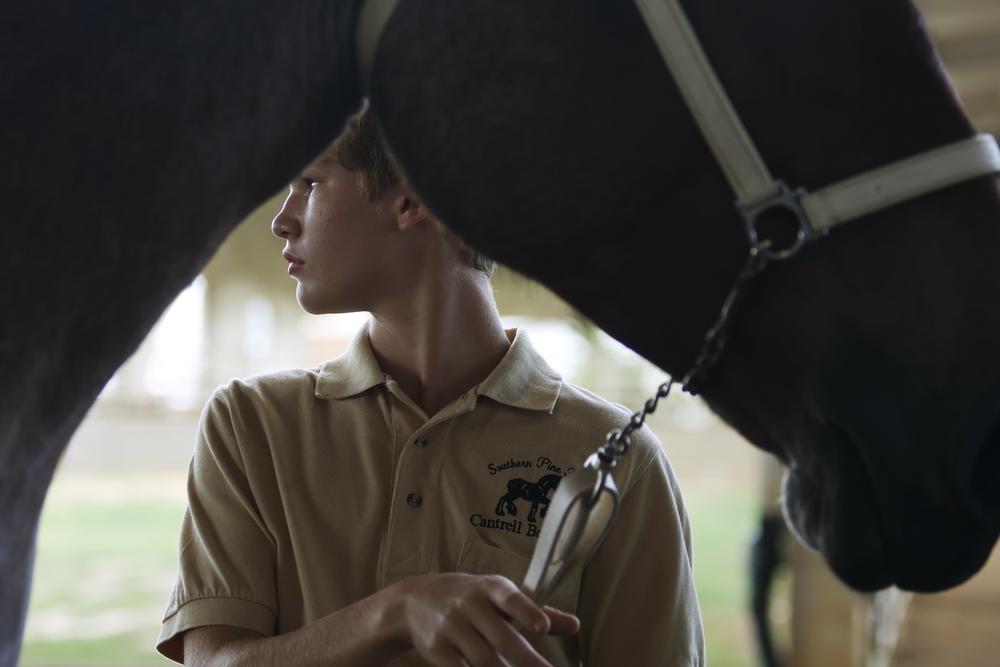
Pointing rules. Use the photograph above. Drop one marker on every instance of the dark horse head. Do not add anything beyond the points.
(868, 363)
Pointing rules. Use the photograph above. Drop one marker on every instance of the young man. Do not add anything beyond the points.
(382, 508)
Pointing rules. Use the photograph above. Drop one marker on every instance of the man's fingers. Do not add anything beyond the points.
(522, 610)
(562, 623)
(509, 642)
(477, 650)
(462, 620)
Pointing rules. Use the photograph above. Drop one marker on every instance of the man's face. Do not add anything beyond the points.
(342, 249)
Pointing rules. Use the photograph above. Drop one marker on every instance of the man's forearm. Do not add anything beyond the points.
(368, 632)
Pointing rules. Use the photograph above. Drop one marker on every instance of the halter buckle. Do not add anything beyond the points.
(789, 201)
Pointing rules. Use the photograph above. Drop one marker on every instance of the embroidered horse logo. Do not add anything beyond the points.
(536, 493)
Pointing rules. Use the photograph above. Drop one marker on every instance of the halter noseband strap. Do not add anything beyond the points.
(756, 190)
(903, 180)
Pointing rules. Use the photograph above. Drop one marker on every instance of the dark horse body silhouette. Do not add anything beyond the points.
(551, 136)
(536, 493)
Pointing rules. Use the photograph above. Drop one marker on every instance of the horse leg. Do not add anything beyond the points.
(19, 524)
(534, 510)
(25, 473)
(506, 503)
(765, 558)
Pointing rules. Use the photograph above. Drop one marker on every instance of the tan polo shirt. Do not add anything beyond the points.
(312, 489)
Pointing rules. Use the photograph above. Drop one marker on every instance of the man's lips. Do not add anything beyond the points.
(292, 259)
(294, 263)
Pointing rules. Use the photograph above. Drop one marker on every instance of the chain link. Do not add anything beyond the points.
(714, 344)
(715, 338)
(620, 439)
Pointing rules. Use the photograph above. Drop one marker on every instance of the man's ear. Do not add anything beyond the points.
(409, 211)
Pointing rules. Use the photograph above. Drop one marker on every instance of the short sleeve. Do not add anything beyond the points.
(638, 604)
(227, 554)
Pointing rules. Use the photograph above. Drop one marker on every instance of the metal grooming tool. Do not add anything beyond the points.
(578, 518)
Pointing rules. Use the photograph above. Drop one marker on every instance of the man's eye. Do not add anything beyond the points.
(308, 184)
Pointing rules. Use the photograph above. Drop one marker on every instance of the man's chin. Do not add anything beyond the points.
(312, 310)
(305, 303)
(315, 305)
(311, 302)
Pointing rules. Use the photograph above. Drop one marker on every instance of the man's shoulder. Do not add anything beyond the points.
(276, 387)
(583, 407)
(581, 403)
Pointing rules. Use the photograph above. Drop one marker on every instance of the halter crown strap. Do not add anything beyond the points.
(371, 22)
(719, 123)
(755, 188)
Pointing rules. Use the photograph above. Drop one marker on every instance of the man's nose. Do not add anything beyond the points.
(285, 223)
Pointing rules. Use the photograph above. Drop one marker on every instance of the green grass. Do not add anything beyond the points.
(102, 577)
(105, 569)
(722, 526)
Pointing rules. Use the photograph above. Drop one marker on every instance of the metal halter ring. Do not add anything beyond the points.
(789, 200)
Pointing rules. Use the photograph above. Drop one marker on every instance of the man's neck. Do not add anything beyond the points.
(443, 339)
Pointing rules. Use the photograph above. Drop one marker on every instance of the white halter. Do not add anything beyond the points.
(756, 190)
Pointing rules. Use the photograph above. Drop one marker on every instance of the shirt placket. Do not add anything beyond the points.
(415, 518)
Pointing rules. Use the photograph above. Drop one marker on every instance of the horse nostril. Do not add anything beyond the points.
(986, 473)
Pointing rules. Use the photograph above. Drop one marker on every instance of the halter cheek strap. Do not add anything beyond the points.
(701, 89)
(371, 22)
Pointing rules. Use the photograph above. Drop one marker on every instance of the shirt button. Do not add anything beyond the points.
(422, 441)
(414, 500)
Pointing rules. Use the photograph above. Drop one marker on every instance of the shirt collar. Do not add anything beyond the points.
(522, 379)
(353, 372)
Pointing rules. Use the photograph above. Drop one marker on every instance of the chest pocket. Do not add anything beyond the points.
(480, 558)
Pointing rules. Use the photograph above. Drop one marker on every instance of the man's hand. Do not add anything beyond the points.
(459, 620)
(452, 620)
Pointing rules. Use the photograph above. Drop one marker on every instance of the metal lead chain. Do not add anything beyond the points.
(715, 338)
(620, 439)
(618, 442)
